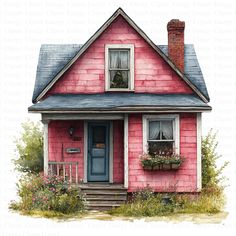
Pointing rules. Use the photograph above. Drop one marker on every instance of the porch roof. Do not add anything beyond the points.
(119, 102)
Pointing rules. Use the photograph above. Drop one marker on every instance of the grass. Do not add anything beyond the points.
(144, 204)
(200, 218)
(50, 214)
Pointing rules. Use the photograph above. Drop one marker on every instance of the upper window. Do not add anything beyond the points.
(162, 134)
(119, 67)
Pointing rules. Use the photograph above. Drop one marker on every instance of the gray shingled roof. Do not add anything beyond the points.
(118, 102)
(54, 57)
(192, 69)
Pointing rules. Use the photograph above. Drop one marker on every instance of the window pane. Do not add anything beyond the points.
(161, 148)
(119, 79)
(124, 59)
(98, 135)
(154, 130)
(114, 59)
(167, 129)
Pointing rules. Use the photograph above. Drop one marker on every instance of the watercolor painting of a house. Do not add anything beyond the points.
(117, 97)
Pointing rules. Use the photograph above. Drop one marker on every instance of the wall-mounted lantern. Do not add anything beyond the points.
(71, 131)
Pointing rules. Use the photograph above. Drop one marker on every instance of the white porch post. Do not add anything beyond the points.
(126, 151)
(45, 146)
(199, 152)
(85, 150)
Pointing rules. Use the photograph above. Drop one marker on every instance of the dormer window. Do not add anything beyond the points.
(119, 67)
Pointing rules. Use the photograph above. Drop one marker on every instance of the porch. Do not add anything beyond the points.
(98, 195)
(88, 149)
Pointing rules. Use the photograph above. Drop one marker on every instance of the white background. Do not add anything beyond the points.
(25, 25)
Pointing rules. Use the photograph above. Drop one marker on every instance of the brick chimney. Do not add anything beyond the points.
(175, 30)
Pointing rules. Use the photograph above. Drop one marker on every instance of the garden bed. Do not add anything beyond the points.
(47, 194)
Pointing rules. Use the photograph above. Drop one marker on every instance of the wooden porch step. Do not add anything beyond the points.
(106, 197)
(104, 192)
(103, 196)
(104, 203)
(98, 208)
(103, 187)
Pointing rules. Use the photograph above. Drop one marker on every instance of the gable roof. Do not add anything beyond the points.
(49, 78)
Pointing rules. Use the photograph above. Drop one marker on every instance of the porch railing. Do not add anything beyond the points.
(68, 170)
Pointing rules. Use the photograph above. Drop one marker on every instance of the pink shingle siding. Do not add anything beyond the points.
(152, 74)
(118, 152)
(59, 140)
(182, 180)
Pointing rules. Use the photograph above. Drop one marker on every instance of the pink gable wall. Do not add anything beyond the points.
(182, 180)
(152, 74)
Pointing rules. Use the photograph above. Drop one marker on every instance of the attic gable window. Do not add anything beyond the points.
(119, 67)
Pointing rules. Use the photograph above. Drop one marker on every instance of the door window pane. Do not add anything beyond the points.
(98, 135)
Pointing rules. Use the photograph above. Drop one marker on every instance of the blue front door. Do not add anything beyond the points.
(98, 149)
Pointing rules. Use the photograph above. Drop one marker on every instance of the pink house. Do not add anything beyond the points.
(119, 95)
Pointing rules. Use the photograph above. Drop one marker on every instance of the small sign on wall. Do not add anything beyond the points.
(72, 150)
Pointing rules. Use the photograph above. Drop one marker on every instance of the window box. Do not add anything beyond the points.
(161, 162)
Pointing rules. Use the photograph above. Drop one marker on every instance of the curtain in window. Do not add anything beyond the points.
(114, 59)
(167, 129)
(154, 130)
(124, 59)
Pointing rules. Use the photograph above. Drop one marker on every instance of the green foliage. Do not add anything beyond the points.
(211, 174)
(211, 199)
(144, 203)
(29, 147)
(47, 194)
(154, 204)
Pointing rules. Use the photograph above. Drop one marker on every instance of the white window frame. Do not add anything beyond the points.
(176, 131)
(129, 47)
